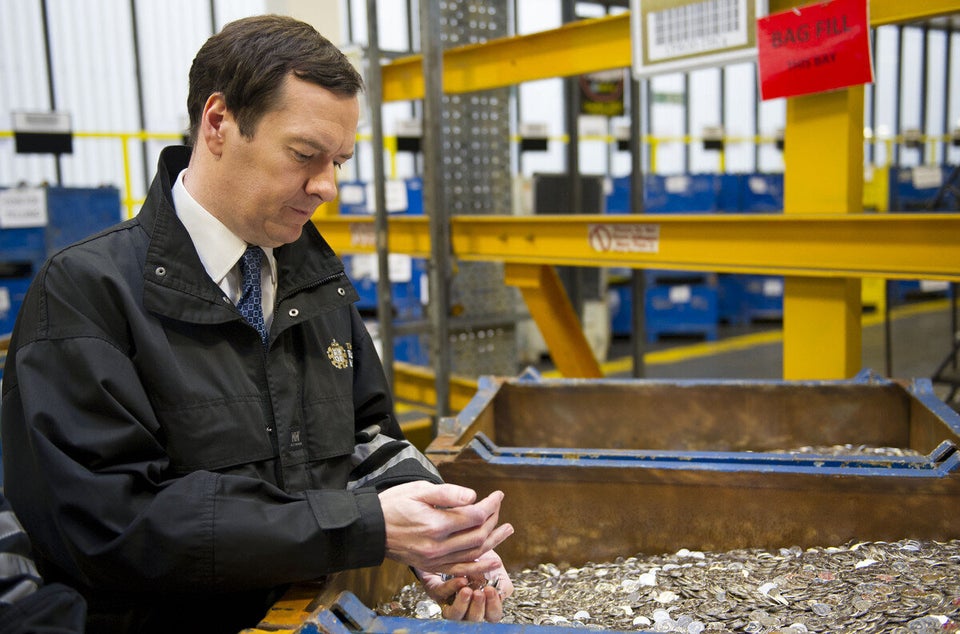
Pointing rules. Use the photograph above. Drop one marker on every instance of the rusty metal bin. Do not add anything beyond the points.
(598, 469)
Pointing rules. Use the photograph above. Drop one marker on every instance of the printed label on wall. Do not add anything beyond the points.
(23, 207)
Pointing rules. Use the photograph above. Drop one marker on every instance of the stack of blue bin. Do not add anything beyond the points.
(407, 292)
(71, 215)
(676, 303)
(909, 192)
(745, 298)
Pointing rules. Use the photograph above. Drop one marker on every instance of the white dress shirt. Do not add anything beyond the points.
(220, 250)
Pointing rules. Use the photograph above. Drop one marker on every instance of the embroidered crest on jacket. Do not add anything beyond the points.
(341, 357)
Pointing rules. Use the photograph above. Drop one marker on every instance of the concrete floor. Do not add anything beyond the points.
(920, 334)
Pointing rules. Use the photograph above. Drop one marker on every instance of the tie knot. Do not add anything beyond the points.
(250, 296)
(251, 259)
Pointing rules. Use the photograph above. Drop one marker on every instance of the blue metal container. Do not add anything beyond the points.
(909, 193)
(71, 215)
(681, 309)
(761, 193)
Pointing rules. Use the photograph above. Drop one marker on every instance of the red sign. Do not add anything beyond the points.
(811, 49)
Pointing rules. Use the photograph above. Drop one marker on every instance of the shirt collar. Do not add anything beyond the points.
(218, 247)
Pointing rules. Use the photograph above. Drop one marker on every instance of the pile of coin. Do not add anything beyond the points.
(855, 450)
(900, 587)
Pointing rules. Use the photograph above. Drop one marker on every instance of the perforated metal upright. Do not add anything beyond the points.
(476, 179)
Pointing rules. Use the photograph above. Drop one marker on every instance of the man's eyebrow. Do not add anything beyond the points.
(319, 146)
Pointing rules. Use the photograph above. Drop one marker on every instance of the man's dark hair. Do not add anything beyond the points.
(249, 60)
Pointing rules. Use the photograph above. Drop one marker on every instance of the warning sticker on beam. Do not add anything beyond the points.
(681, 35)
(624, 238)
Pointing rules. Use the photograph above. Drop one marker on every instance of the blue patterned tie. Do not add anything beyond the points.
(250, 298)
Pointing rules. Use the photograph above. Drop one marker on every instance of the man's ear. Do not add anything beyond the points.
(211, 123)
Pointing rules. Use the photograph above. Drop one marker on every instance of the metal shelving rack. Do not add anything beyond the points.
(821, 244)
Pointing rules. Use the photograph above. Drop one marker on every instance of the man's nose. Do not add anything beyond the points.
(323, 183)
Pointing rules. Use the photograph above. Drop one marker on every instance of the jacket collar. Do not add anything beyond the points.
(175, 282)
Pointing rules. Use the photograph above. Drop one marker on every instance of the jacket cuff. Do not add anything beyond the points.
(373, 526)
(353, 521)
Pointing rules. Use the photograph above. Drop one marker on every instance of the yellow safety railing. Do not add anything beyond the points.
(390, 145)
(124, 138)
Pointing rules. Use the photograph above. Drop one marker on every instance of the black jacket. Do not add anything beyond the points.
(155, 451)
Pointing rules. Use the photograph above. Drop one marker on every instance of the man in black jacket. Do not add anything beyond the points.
(194, 415)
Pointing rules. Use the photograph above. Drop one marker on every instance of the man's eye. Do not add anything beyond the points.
(303, 158)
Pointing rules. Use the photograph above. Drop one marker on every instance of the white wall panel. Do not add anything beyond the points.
(23, 86)
(169, 35)
(704, 100)
(94, 78)
(740, 92)
(230, 10)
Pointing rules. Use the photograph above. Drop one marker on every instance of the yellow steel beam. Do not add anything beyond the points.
(579, 47)
(417, 384)
(550, 308)
(585, 46)
(821, 316)
(899, 11)
(893, 246)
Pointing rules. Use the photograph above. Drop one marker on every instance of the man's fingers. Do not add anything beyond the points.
(469, 516)
(494, 605)
(475, 605)
(457, 608)
(468, 560)
(448, 496)
(478, 606)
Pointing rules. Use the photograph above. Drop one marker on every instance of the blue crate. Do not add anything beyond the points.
(618, 198)
(75, 213)
(681, 310)
(761, 193)
(681, 193)
(905, 195)
(731, 303)
(12, 292)
(747, 298)
(620, 301)
(904, 291)
(406, 294)
(414, 196)
(352, 198)
(701, 193)
(24, 245)
(355, 198)
(730, 193)
(762, 297)
(410, 349)
(72, 215)
(655, 277)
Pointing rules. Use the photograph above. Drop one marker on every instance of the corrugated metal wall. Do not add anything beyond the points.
(92, 69)
(93, 74)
